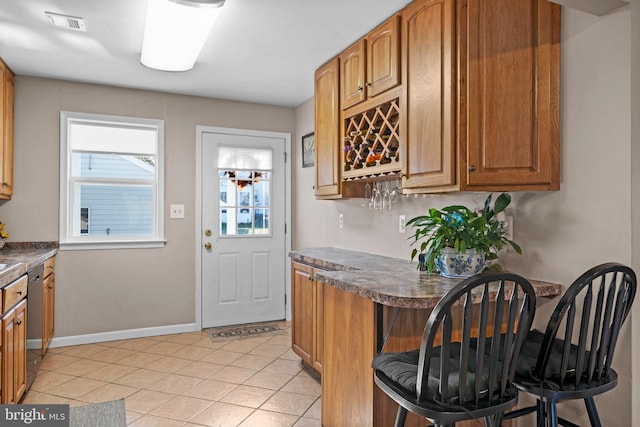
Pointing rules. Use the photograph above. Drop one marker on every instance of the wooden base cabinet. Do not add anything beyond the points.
(307, 312)
(349, 394)
(48, 311)
(14, 342)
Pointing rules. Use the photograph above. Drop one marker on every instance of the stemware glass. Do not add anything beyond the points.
(366, 200)
(386, 197)
(376, 196)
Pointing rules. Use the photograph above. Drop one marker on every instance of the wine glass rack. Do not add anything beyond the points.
(371, 141)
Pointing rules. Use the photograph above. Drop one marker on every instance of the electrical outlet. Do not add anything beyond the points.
(402, 224)
(509, 227)
(176, 211)
(340, 221)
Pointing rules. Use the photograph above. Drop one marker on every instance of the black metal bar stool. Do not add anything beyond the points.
(572, 358)
(467, 376)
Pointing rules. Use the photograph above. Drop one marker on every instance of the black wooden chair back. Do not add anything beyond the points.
(463, 369)
(572, 359)
(591, 312)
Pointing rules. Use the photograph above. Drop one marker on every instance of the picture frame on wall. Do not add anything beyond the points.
(308, 150)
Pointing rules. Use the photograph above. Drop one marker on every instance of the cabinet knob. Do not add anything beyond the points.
(50, 287)
(360, 88)
(6, 184)
(368, 84)
(472, 168)
(18, 322)
(19, 292)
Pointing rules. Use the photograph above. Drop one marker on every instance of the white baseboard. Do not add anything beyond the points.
(114, 335)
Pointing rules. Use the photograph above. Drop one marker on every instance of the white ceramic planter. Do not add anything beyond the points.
(460, 265)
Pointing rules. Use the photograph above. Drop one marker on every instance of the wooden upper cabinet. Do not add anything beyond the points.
(352, 75)
(511, 111)
(429, 71)
(371, 65)
(6, 131)
(478, 83)
(481, 88)
(383, 57)
(327, 130)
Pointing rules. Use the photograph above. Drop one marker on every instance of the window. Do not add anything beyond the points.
(111, 181)
(245, 182)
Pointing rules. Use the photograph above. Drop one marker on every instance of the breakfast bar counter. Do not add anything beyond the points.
(356, 296)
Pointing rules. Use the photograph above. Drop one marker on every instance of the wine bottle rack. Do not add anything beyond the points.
(371, 141)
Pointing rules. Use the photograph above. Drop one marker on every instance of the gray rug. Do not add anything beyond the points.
(106, 414)
(244, 331)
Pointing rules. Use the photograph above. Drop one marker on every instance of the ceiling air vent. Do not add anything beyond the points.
(66, 21)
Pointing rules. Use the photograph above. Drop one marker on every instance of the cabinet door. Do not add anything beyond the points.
(327, 130)
(20, 347)
(430, 92)
(8, 358)
(48, 310)
(318, 328)
(6, 187)
(383, 61)
(302, 312)
(512, 109)
(352, 78)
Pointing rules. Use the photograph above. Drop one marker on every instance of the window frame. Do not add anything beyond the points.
(83, 242)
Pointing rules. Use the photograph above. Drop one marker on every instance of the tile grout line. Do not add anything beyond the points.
(169, 371)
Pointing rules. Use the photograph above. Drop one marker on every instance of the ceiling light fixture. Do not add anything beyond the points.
(175, 32)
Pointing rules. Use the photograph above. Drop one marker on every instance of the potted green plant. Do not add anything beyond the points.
(461, 242)
(4, 236)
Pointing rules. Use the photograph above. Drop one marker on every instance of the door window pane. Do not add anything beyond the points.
(241, 192)
(261, 221)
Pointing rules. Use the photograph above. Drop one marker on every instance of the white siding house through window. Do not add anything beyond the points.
(109, 207)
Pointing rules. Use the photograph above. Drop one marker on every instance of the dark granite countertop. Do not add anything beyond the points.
(22, 257)
(386, 280)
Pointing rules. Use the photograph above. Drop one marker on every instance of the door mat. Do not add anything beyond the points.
(244, 331)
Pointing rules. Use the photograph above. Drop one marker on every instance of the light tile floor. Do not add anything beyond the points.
(186, 380)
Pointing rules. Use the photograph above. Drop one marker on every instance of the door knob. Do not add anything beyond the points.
(207, 246)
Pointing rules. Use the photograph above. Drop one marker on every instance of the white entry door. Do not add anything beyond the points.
(243, 228)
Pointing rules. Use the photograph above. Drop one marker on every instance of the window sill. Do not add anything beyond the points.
(112, 244)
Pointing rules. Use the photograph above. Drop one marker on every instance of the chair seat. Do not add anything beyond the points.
(551, 385)
(402, 369)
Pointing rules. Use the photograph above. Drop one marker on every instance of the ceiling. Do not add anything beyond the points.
(262, 51)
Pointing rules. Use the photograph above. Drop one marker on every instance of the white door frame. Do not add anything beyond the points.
(198, 229)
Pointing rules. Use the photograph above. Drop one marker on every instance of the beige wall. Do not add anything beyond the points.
(562, 233)
(113, 290)
(635, 199)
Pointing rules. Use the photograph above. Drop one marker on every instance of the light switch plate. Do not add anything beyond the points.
(176, 211)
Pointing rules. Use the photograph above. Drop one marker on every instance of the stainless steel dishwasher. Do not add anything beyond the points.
(34, 321)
